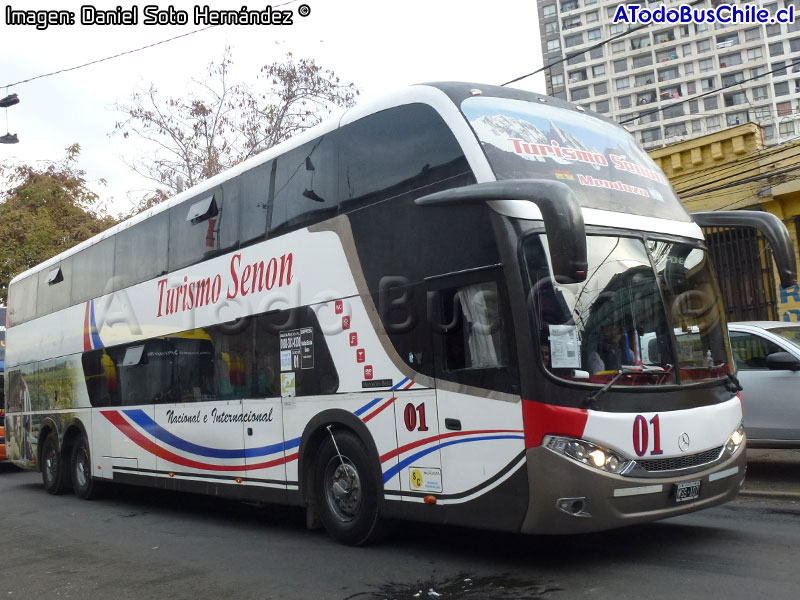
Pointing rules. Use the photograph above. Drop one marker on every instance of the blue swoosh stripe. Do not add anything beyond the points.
(407, 461)
(366, 407)
(145, 422)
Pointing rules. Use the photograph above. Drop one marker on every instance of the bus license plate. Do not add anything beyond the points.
(688, 490)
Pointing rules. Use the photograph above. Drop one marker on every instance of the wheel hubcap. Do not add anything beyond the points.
(81, 467)
(343, 488)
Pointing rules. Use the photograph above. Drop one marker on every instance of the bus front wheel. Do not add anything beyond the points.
(347, 490)
(54, 472)
(85, 487)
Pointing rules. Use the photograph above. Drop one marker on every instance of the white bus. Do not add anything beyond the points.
(432, 308)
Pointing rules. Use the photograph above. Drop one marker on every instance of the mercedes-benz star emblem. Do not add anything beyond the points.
(683, 442)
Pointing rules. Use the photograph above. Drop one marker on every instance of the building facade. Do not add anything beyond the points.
(648, 78)
(734, 169)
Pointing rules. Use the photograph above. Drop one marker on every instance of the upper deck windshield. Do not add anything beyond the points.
(648, 307)
(600, 162)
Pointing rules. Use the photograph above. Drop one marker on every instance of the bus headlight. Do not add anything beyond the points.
(736, 440)
(588, 453)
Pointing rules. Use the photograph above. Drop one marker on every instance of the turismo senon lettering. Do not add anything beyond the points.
(556, 150)
(254, 278)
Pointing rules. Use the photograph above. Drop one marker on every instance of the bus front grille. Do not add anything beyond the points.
(676, 463)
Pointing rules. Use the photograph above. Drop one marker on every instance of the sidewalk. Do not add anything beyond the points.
(772, 474)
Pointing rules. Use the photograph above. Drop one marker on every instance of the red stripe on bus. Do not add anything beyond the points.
(435, 438)
(87, 339)
(379, 409)
(546, 419)
(141, 441)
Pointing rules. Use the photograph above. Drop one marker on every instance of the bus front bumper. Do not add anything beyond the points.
(568, 497)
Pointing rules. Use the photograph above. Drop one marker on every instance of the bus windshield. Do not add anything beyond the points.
(650, 308)
(600, 162)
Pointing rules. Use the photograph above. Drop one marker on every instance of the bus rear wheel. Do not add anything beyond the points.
(54, 472)
(81, 469)
(347, 491)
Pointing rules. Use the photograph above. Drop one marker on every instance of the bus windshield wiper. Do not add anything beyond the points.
(591, 399)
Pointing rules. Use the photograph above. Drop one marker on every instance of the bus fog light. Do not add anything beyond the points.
(588, 453)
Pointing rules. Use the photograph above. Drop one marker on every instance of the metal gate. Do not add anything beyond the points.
(742, 261)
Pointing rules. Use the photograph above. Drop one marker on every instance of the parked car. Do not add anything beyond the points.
(767, 356)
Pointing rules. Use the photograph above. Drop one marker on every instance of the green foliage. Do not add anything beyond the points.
(43, 211)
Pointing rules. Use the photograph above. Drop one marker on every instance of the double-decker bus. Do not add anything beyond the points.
(459, 304)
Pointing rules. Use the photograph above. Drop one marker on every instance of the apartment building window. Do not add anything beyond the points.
(688, 68)
(670, 92)
(664, 36)
(732, 79)
(760, 93)
(598, 70)
(602, 107)
(594, 34)
(691, 87)
(701, 27)
(773, 29)
(729, 60)
(784, 108)
(571, 22)
(577, 59)
(736, 118)
(797, 86)
(752, 34)
(557, 80)
(769, 132)
(651, 135)
(642, 60)
(589, 2)
(675, 130)
(734, 98)
(781, 88)
(569, 5)
(576, 39)
(553, 46)
(650, 116)
(645, 98)
(623, 83)
(580, 94)
(640, 42)
(758, 71)
(686, 50)
(697, 126)
(794, 44)
(792, 27)
(786, 129)
(624, 102)
(694, 107)
(600, 88)
(710, 103)
(550, 28)
(755, 53)
(703, 46)
(684, 29)
(611, 11)
(706, 64)
(779, 68)
(668, 74)
(616, 28)
(592, 17)
(596, 52)
(666, 55)
(708, 83)
(762, 113)
(549, 11)
(620, 66)
(673, 111)
(712, 123)
(776, 49)
(576, 76)
(644, 79)
(727, 40)
(617, 47)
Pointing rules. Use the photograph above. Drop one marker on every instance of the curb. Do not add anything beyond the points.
(794, 496)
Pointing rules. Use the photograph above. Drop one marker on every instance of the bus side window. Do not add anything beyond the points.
(141, 251)
(477, 338)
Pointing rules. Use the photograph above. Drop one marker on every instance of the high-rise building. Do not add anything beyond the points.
(670, 82)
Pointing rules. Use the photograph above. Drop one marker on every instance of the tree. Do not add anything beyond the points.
(44, 211)
(221, 123)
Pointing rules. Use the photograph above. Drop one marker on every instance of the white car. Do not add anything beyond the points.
(767, 356)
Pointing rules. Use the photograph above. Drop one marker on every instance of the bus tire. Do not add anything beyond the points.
(55, 475)
(84, 485)
(347, 491)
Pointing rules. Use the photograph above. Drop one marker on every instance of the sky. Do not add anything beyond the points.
(379, 46)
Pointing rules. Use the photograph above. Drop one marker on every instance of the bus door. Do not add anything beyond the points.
(263, 439)
(472, 366)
